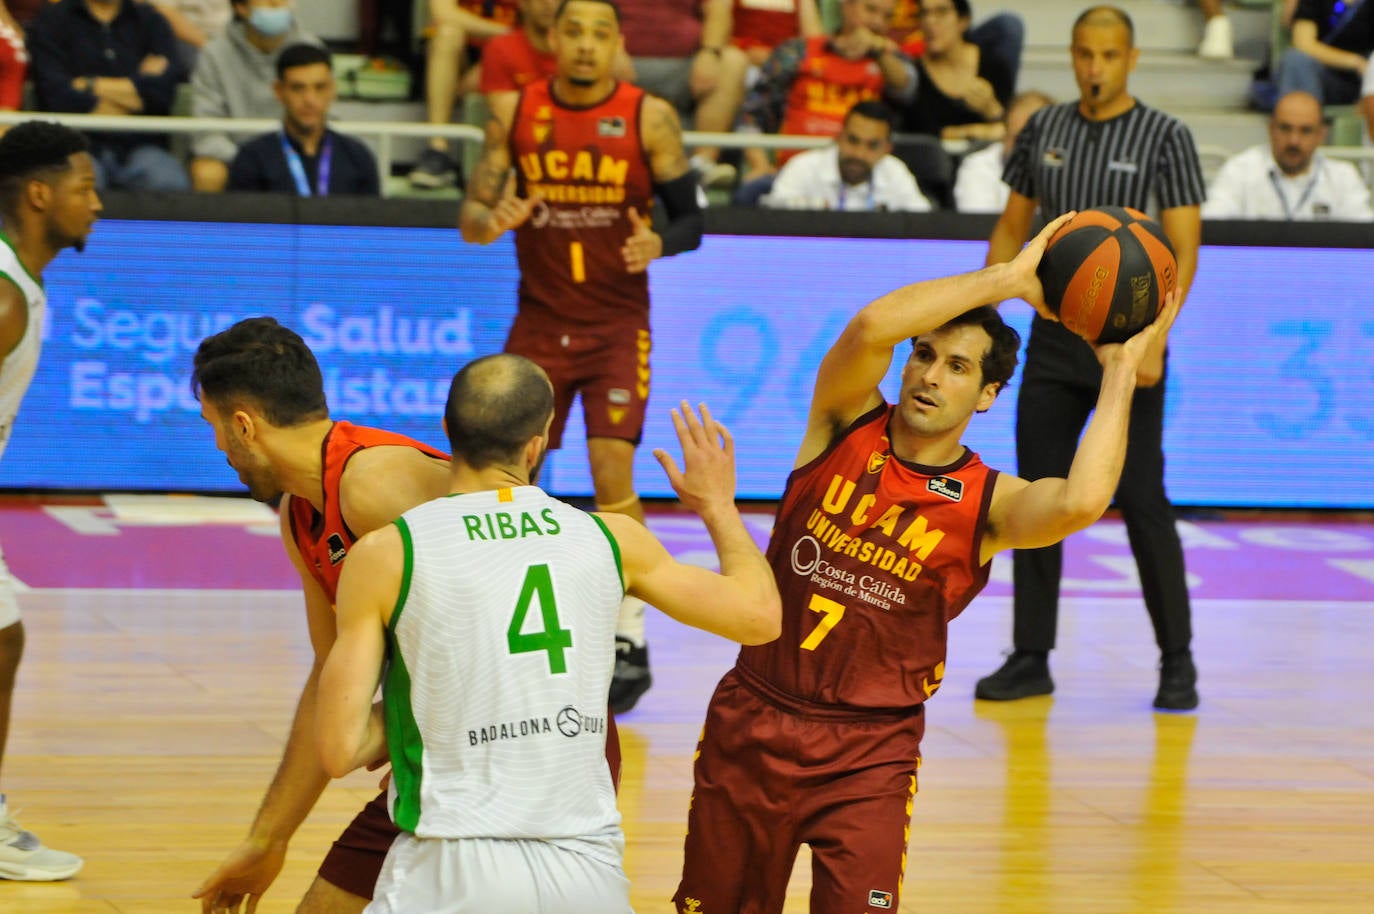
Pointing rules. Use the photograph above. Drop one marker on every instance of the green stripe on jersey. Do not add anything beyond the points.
(403, 740)
(615, 549)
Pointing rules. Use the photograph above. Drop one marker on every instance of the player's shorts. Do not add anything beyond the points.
(609, 368)
(503, 876)
(773, 774)
(355, 860)
(9, 600)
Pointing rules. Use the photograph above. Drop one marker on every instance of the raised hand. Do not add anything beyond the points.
(1024, 265)
(643, 246)
(707, 477)
(1141, 351)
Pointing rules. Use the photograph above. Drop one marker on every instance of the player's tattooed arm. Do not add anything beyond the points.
(489, 205)
(663, 141)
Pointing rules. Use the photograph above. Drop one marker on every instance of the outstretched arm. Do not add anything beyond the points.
(251, 868)
(741, 602)
(847, 383)
(1028, 515)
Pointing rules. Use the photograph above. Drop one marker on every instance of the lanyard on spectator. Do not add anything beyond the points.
(1291, 213)
(871, 201)
(297, 167)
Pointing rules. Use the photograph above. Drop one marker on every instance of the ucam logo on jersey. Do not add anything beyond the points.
(952, 489)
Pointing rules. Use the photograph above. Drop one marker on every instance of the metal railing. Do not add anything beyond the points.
(386, 132)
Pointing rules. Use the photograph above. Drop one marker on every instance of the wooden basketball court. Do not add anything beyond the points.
(166, 650)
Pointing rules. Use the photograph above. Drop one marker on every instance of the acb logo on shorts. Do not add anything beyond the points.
(879, 899)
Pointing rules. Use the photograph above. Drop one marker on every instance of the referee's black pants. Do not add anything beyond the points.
(1059, 389)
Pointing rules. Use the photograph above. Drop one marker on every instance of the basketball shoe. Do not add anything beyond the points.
(631, 678)
(23, 856)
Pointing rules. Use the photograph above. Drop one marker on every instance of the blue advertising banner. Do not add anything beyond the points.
(1271, 383)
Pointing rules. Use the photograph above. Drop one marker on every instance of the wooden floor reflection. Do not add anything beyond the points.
(149, 721)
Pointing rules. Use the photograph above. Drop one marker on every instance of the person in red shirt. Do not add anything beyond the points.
(262, 392)
(512, 61)
(590, 155)
(807, 85)
(885, 532)
(14, 61)
(759, 26)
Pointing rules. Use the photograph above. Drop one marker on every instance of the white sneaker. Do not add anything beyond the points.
(714, 175)
(1217, 42)
(23, 857)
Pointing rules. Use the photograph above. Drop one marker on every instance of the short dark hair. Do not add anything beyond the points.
(615, 8)
(31, 148)
(962, 9)
(1106, 15)
(999, 363)
(872, 109)
(302, 55)
(496, 404)
(260, 362)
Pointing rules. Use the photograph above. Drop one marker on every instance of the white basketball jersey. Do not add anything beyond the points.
(501, 648)
(18, 366)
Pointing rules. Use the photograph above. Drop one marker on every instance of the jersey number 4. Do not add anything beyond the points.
(552, 639)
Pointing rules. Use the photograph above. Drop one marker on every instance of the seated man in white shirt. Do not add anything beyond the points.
(857, 173)
(1289, 180)
(978, 187)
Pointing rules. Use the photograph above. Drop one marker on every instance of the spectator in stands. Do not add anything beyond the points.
(759, 26)
(979, 187)
(14, 62)
(115, 58)
(1218, 41)
(456, 30)
(195, 23)
(682, 52)
(305, 157)
(856, 172)
(1001, 35)
(1289, 179)
(234, 78)
(24, 11)
(1331, 44)
(961, 92)
(808, 84)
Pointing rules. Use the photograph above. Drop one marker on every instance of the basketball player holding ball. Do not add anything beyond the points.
(1105, 149)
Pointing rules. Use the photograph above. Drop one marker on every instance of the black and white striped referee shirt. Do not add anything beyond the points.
(1144, 159)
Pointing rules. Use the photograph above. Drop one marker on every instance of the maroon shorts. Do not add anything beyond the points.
(771, 776)
(609, 367)
(355, 860)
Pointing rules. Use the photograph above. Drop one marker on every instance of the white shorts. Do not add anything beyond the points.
(498, 876)
(9, 603)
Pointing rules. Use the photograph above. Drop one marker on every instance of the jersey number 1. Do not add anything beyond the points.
(579, 266)
(552, 639)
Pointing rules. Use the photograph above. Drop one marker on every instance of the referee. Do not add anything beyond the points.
(1106, 149)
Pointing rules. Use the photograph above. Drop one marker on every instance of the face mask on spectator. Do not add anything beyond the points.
(270, 20)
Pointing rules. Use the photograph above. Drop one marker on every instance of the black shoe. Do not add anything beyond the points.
(1025, 673)
(1177, 683)
(631, 678)
(434, 171)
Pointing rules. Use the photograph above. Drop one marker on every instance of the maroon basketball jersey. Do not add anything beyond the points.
(588, 165)
(324, 539)
(873, 557)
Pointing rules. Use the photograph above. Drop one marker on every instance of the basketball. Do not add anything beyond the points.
(1106, 273)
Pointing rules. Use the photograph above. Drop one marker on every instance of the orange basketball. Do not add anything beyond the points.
(1106, 273)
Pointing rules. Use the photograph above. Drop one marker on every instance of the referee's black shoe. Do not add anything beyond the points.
(1177, 682)
(631, 678)
(1025, 674)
